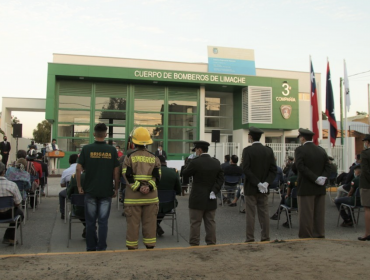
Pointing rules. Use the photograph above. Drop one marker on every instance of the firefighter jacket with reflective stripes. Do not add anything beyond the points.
(141, 167)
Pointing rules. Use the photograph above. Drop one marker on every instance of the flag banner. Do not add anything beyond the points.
(314, 108)
(346, 88)
(333, 130)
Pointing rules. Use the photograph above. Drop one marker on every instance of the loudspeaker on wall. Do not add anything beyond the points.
(216, 136)
(17, 130)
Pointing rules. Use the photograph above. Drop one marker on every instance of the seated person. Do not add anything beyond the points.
(286, 199)
(288, 167)
(345, 188)
(231, 170)
(19, 173)
(77, 210)
(64, 181)
(278, 178)
(45, 172)
(169, 181)
(8, 188)
(29, 167)
(350, 199)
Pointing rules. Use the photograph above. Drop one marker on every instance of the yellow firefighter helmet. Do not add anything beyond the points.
(141, 136)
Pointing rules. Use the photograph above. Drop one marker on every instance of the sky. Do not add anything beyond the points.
(283, 34)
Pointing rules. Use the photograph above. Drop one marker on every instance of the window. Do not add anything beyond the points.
(218, 112)
(74, 110)
(149, 98)
(110, 108)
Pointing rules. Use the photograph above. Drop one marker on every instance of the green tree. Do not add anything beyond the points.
(15, 120)
(42, 132)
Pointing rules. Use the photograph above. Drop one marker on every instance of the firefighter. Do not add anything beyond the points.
(141, 170)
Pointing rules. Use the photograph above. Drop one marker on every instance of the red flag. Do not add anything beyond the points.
(314, 108)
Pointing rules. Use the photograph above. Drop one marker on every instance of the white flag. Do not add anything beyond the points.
(346, 87)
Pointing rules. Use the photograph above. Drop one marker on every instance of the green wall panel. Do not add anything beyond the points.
(278, 99)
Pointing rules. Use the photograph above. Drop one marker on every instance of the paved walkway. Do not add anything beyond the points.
(46, 232)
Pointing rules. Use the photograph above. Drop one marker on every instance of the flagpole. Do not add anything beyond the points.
(346, 131)
(341, 118)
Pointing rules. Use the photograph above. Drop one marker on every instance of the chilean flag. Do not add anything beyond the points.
(330, 108)
(315, 108)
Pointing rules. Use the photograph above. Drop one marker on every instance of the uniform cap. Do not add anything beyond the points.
(367, 137)
(290, 157)
(200, 144)
(330, 158)
(358, 166)
(305, 132)
(255, 130)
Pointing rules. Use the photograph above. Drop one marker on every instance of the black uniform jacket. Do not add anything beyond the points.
(259, 166)
(4, 147)
(207, 177)
(365, 169)
(169, 181)
(312, 162)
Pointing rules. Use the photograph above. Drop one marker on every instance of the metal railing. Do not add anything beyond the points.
(223, 149)
(282, 151)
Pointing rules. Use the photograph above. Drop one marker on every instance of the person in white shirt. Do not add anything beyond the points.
(53, 161)
(64, 180)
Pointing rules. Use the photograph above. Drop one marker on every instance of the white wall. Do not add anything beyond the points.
(304, 114)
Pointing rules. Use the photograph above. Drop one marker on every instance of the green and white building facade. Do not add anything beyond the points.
(177, 102)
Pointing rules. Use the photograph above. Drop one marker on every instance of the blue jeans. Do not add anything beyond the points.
(96, 209)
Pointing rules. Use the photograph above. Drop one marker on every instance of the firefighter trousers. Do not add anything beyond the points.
(147, 216)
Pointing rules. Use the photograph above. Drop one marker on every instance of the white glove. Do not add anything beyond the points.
(212, 195)
(320, 180)
(266, 185)
(261, 188)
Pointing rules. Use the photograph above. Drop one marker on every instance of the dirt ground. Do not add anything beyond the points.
(311, 259)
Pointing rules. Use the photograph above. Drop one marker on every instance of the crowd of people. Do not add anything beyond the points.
(101, 172)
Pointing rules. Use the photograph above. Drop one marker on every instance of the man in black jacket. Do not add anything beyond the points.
(345, 188)
(5, 150)
(313, 170)
(208, 178)
(161, 152)
(235, 171)
(259, 167)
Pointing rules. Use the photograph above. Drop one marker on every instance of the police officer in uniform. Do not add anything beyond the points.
(260, 169)
(208, 179)
(313, 170)
(141, 171)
